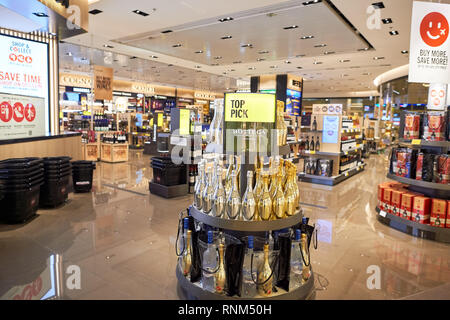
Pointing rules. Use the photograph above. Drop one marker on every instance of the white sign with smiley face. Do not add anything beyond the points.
(429, 60)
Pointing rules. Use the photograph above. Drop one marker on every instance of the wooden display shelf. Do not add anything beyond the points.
(91, 151)
(113, 153)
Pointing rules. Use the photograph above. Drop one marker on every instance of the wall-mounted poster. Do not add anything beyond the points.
(330, 129)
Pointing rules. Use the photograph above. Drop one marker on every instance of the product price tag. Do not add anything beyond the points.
(312, 152)
(346, 174)
(416, 142)
(346, 153)
(383, 213)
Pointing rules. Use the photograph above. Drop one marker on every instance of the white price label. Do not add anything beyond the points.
(383, 213)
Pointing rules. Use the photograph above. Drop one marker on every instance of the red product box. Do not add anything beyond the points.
(421, 210)
(412, 126)
(443, 175)
(396, 201)
(387, 194)
(406, 206)
(381, 188)
(447, 221)
(419, 165)
(434, 128)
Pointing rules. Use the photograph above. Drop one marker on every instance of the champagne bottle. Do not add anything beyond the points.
(282, 169)
(248, 201)
(317, 144)
(307, 143)
(290, 195)
(306, 272)
(208, 193)
(295, 187)
(187, 256)
(265, 276)
(220, 274)
(234, 199)
(199, 187)
(265, 202)
(220, 199)
(279, 202)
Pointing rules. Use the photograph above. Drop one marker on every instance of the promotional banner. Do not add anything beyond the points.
(250, 107)
(330, 129)
(437, 97)
(430, 45)
(103, 79)
(21, 116)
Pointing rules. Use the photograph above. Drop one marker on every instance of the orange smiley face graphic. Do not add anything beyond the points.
(434, 29)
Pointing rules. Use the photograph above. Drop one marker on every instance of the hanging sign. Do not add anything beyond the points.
(160, 119)
(185, 122)
(430, 43)
(103, 79)
(437, 96)
(250, 107)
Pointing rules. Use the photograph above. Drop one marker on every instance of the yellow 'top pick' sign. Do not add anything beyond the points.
(250, 107)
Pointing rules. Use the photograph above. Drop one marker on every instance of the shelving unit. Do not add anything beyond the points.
(331, 181)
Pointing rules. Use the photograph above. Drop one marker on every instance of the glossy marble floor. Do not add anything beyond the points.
(122, 240)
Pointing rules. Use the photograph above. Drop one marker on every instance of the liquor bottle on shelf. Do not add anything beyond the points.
(209, 265)
(248, 201)
(228, 180)
(265, 276)
(191, 179)
(187, 256)
(199, 186)
(249, 276)
(220, 199)
(311, 145)
(234, 199)
(307, 143)
(207, 192)
(279, 202)
(290, 195)
(265, 201)
(296, 261)
(314, 125)
(282, 170)
(220, 276)
(306, 272)
(317, 144)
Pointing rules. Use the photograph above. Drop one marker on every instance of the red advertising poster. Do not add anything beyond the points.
(21, 116)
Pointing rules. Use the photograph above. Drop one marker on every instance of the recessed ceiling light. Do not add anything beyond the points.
(299, 67)
(378, 58)
(328, 52)
(224, 73)
(344, 60)
(133, 57)
(108, 46)
(251, 68)
(405, 51)
(236, 62)
(387, 20)
(95, 11)
(214, 64)
(141, 13)
(226, 37)
(177, 45)
(263, 52)
(307, 3)
(40, 14)
(300, 55)
(307, 37)
(363, 49)
(291, 27)
(378, 5)
(199, 51)
(260, 59)
(226, 19)
(197, 67)
(231, 70)
(393, 33)
(317, 62)
(320, 45)
(166, 31)
(273, 67)
(154, 57)
(218, 57)
(69, 54)
(287, 62)
(170, 65)
(247, 45)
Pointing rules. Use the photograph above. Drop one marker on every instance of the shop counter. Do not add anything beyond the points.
(52, 145)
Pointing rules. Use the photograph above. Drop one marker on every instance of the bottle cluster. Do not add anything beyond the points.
(114, 137)
(259, 267)
(271, 193)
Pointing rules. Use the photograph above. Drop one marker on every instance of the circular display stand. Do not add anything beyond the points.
(247, 226)
(413, 228)
(193, 291)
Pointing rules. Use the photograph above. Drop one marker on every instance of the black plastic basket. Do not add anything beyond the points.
(19, 204)
(54, 192)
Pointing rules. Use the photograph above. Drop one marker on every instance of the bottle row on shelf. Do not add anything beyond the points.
(396, 199)
(311, 145)
(114, 137)
(425, 166)
(318, 167)
(274, 194)
(249, 267)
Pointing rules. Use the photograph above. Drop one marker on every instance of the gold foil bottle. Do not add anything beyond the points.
(258, 185)
(198, 188)
(265, 275)
(289, 195)
(306, 271)
(249, 201)
(279, 202)
(187, 256)
(233, 199)
(295, 187)
(220, 198)
(220, 275)
(208, 192)
(264, 201)
(283, 171)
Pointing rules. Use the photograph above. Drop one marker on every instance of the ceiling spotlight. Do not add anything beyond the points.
(199, 51)
(299, 67)
(291, 27)
(300, 55)
(141, 13)
(247, 45)
(387, 20)
(344, 60)
(363, 49)
(260, 59)
(218, 57)
(317, 62)
(263, 52)
(328, 52)
(95, 11)
(273, 67)
(40, 14)
(154, 57)
(177, 45)
(320, 45)
(393, 33)
(307, 37)
(108, 46)
(166, 31)
(287, 62)
(133, 57)
(307, 3)
(69, 54)
(378, 58)
(226, 19)
(251, 68)
(226, 37)
(236, 62)
(405, 51)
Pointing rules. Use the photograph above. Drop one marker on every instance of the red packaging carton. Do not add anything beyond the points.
(447, 220)
(406, 207)
(438, 213)
(387, 194)
(412, 126)
(396, 201)
(419, 165)
(443, 174)
(421, 210)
